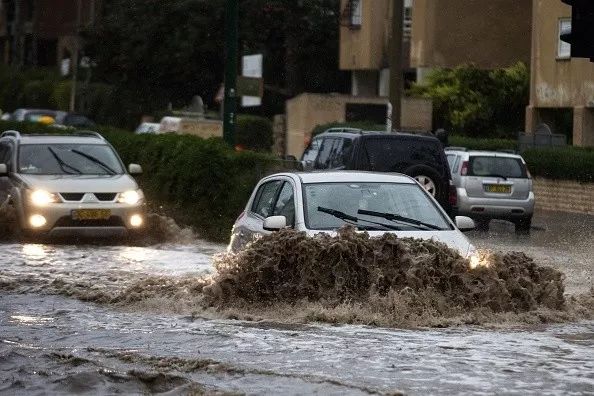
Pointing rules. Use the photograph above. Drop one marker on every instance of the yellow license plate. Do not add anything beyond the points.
(91, 214)
(498, 188)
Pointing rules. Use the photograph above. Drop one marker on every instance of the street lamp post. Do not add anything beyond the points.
(231, 59)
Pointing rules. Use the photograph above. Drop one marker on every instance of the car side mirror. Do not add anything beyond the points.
(135, 169)
(275, 223)
(3, 170)
(465, 223)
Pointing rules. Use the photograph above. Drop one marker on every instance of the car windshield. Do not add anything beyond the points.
(65, 159)
(496, 166)
(403, 200)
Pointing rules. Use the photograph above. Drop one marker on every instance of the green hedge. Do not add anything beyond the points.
(482, 144)
(567, 163)
(253, 133)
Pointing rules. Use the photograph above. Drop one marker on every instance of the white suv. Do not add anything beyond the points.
(492, 185)
(322, 202)
(71, 185)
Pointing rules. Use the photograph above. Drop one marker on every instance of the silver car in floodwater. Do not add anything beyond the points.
(492, 185)
(71, 185)
(322, 202)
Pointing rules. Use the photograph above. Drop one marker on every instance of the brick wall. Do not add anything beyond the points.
(563, 195)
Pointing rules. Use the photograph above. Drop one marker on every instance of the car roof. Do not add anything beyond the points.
(379, 134)
(60, 139)
(347, 176)
(484, 153)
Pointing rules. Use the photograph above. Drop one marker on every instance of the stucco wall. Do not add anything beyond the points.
(563, 195)
(306, 111)
(490, 34)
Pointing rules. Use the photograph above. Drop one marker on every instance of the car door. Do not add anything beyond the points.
(5, 158)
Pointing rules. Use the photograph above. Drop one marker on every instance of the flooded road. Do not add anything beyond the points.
(55, 338)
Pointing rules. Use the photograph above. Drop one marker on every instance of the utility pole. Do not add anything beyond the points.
(396, 84)
(74, 60)
(18, 45)
(231, 59)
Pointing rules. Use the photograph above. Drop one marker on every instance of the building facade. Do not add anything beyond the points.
(437, 33)
(562, 88)
(44, 32)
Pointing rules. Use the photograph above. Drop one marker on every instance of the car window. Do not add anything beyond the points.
(61, 159)
(496, 166)
(326, 150)
(4, 153)
(340, 153)
(311, 153)
(408, 200)
(453, 161)
(264, 201)
(285, 204)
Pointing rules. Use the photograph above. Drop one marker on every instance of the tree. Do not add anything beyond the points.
(155, 52)
(477, 102)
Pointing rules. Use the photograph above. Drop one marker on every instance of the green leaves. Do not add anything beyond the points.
(477, 102)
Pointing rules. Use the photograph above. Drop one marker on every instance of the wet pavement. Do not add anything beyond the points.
(51, 342)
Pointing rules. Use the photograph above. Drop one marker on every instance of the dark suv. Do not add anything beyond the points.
(418, 156)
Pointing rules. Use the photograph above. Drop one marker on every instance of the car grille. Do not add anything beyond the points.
(77, 197)
(72, 196)
(105, 196)
(69, 222)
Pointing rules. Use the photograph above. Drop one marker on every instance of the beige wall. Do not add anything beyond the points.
(364, 48)
(557, 82)
(488, 33)
(307, 111)
(563, 195)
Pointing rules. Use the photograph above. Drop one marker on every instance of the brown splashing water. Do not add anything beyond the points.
(386, 281)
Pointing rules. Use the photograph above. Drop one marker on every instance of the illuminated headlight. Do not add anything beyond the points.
(136, 220)
(37, 221)
(130, 197)
(43, 198)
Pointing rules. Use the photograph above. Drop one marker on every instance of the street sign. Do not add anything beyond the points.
(251, 71)
(250, 88)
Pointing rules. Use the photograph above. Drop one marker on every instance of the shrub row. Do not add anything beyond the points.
(571, 163)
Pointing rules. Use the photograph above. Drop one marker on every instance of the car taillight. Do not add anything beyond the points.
(464, 169)
(528, 173)
(240, 216)
(453, 198)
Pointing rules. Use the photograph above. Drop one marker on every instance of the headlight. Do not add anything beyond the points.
(130, 197)
(42, 198)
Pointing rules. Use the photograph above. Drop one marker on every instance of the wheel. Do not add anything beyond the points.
(431, 181)
(523, 225)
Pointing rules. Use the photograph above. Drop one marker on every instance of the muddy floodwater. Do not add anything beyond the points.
(56, 337)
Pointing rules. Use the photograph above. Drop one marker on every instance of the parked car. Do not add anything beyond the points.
(69, 185)
(147, 127)
(492, 185)
(60, 118)
(322, 202)
(419, 156)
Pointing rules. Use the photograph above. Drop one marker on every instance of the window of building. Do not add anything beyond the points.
(356, 12)
(563, 48)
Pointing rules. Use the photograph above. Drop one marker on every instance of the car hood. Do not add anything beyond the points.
(453, 238)
(80, 183)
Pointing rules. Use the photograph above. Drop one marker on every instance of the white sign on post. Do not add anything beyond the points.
(252, 67)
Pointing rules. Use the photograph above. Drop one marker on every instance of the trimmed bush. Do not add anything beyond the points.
(254, 133)
(571, 163)
(482, 144)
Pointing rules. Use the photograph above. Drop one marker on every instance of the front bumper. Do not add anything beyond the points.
(494, 208)
(60, 223)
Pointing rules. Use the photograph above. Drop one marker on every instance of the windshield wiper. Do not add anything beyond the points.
(401, 219)
(95, 160)
(354, 220)
(63, 164)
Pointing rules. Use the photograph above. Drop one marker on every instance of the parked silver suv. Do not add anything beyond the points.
(68, 185)
(492, 185)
